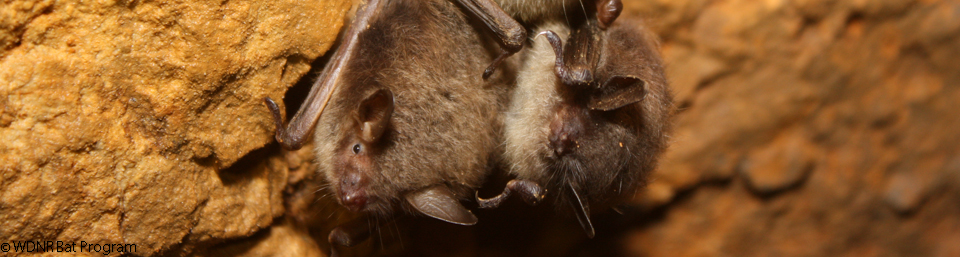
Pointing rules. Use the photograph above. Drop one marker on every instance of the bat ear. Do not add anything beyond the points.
(617, 92)
(374, 115)
(438, 202)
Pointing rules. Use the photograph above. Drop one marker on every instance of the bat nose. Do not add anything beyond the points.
(352, 191)
(562, 143)
(355, 201)
(565, 130)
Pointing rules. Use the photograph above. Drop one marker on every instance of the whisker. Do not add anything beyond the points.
(583, 8)
(321, 188)
(377, 227)
(581, 176)
(399, 236)
(620, 190)
(369, 227)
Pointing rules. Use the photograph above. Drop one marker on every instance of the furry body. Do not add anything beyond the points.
(605, 154)
(445, 121)
(537, 10)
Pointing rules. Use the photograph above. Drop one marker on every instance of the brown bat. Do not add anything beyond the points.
(500, 18)
(588, 120)
(510, 35)
(405, 127)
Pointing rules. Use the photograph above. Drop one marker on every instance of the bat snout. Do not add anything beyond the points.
(565, 130)
(354, 201)
(353, 193)
(562, 143)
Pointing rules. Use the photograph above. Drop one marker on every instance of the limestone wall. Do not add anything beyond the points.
(119, 119)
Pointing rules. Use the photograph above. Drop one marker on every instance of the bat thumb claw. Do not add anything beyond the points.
(489, 71)
(277, 118)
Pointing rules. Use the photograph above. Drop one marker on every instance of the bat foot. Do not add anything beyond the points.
(529, 191)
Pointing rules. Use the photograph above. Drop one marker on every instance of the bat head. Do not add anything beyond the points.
(592, 129)
(412, 125)
(356, 168)
(608, 130)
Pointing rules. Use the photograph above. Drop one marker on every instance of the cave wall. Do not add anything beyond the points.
(807, 128)
(119, 119)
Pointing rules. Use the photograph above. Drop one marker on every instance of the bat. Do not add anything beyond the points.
(499, 17)
(588, 119)
(398, 123)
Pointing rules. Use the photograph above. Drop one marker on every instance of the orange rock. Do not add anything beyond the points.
(117, 117)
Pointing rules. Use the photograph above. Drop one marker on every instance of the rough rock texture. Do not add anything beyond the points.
(118, 119)
(807, 128)
(281, 239)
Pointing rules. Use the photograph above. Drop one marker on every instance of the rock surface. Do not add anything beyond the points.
(807, 128)
(118, 119)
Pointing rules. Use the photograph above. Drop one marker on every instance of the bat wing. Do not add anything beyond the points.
(438, 202)
(294, 135)
(510, 34)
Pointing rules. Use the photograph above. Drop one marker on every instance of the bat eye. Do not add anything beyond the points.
(356, 148)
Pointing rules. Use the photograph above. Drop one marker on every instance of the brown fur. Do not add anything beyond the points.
(539, 10)
(504, 18)
(614, 151)
(445, 124)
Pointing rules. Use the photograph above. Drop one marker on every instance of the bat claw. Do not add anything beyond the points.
(529, 191)
(277, 118)
(489, 71)
(493, 202)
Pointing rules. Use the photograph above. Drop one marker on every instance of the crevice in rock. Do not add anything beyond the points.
(245, 168)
